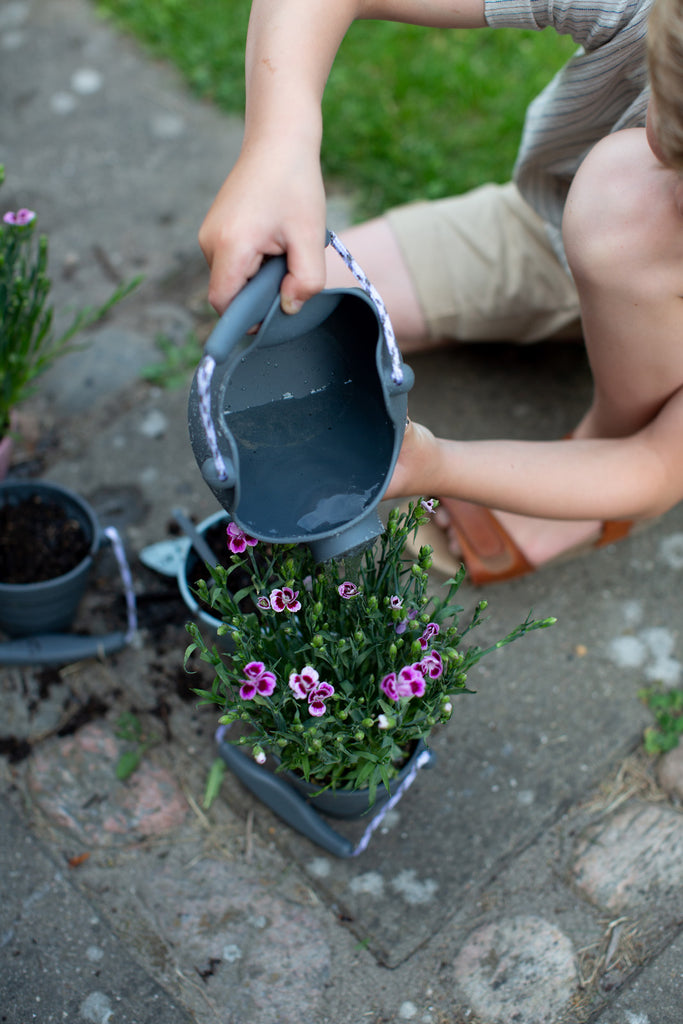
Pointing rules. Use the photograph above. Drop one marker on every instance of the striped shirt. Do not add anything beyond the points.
(601, 89)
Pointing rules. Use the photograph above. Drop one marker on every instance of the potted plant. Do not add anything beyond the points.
(339, 670)
(28, 342)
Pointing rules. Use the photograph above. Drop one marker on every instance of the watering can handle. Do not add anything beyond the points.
(249, 306)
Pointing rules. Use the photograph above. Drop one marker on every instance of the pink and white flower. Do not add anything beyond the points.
(307, 685)
(285, 599)
(410, 681)
(432, 665)
(348, 590)
(430, 631)
(259, 681)
(316, 698)
(302, 682)
(388, 686)
(20, 218)
(238, 540)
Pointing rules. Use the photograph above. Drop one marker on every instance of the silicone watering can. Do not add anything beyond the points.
(297, 428)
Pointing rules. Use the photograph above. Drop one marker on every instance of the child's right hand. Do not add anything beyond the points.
(272, 203)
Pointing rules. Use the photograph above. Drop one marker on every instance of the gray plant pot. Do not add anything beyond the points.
(27, 609)
(37, 616)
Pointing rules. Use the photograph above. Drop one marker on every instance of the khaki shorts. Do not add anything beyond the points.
(484, 268)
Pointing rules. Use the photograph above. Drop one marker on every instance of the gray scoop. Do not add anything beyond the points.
(308, 418)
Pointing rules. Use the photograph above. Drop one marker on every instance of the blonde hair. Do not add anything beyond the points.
(665, 62)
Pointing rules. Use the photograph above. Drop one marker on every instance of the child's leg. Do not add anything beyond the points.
(477, 267)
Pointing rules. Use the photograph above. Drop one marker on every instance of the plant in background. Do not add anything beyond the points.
(339, 669)
(667, 708)
(28, 344)
(177, 359)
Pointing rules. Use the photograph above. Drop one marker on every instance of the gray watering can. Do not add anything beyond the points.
(297, 428)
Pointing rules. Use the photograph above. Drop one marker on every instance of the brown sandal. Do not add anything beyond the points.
(488, 551)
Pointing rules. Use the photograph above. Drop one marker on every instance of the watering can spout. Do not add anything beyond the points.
(298, 428)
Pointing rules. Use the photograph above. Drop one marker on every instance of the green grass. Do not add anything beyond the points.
(409, 112)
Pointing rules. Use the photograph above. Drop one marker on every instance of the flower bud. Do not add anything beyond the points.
(358, 636)
(342, 714)
(317, 641)
(367, 722)
(416, 649)
(373, 603)
(359, 735)
(259, 755)
(393, 651)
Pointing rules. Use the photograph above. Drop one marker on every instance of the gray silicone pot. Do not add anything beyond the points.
(37, 616)
(308, 418)
(300, 804)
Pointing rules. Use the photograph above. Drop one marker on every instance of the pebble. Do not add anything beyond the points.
(73, 780)
(670, 772)
(639, 850)
(517, 969)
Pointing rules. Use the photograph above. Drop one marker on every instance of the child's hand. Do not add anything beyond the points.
(416, 469)
(270, 204)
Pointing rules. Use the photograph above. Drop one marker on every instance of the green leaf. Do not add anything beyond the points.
(214, 782)
(127, 763)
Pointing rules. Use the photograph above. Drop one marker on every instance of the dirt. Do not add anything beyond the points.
(39, 541)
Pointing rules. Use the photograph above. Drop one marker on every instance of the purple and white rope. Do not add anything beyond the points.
(131, 609)
(208, 364)
(420, 761)
(204, 375)
(371, 291)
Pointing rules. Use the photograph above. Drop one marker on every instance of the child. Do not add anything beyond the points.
(588, 238)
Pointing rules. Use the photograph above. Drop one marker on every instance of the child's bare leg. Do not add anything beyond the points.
(374, 247)
(626, 248)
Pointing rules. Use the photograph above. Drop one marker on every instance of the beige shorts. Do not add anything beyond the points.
(484, 268)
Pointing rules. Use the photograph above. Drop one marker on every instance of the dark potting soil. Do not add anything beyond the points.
(39, 541)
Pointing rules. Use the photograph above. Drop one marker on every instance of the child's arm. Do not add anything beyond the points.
(635, 477)
(274, 200)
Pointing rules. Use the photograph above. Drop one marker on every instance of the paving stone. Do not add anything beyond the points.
(73, 781)
(264, 956)
(519, 970)
(633, 855)
(654, 997)
(670, 772)
(60, 961)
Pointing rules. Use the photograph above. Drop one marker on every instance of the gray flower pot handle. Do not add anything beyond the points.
(289, 805)
(59, 648)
